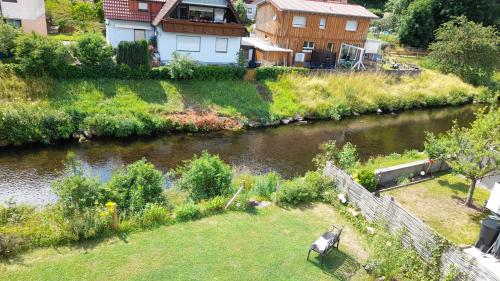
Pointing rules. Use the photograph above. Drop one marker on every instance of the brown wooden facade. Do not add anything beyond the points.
(186, 26)
(276, 27)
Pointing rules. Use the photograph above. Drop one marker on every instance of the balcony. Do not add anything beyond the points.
(202, 27)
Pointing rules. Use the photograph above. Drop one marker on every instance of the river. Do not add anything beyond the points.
(27, 172)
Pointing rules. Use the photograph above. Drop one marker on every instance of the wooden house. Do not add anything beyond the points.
(309, 31)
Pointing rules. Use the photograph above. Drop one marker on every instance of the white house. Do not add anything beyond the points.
(28, 14)
(251, 6)
(208, 30)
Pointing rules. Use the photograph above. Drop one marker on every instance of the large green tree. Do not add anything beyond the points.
(467, 49)
(416, 26)
(472, 152)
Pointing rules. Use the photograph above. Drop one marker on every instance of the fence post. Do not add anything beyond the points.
(235, 195)
(277, 194)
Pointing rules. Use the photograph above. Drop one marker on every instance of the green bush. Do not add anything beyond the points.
(187, 212)
(303, 190)
(91, 49)
(38, 54)
(366, 177)
(204, 177)
(346, 158)
(87, 223)
(212, 72)
(182, 66)
(135, 186)
(161, 72)
(153, 215)
(8, 35)
(29, 123)
(273, 72)
(265, 185)
(134, 54)
(214, 205)
(11, 244)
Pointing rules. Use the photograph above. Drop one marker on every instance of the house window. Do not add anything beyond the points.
(15, 23)
(308, 45)
(188, 43)
(351, 25)
(143, 6)
(139, 35)
(322, 23)
(221, 45)
(330, 47)
(201, 13)
(299, 21)
(219, 15)
(249, 11)
(11, 1)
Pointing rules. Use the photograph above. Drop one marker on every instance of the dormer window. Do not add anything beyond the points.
(143, 6)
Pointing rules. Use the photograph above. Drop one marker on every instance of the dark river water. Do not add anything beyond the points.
(26, 173)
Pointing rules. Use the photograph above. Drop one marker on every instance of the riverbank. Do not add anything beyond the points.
(45, 110)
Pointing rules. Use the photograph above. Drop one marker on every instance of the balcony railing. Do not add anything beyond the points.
(200, 27)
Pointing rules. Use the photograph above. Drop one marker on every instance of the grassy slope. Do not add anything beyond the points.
(269, 245)
(437, 203)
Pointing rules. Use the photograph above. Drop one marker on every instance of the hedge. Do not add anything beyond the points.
(273, 72)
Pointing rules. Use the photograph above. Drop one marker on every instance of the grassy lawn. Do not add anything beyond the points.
(394, 159)
(271, 244)
(438, 203)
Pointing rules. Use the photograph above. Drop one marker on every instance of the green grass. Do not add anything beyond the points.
(66, 36)
(271, 244)
(394, 159)
(438, 203)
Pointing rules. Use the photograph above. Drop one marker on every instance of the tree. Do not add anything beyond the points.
(91, 49)
(471, 152)
(8, 35)
(345, 158)
(241, 9)
(479, 11)
(467, 49)
(416, 26)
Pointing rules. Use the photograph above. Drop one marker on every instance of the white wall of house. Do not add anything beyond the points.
(23, 9)
(199, 47)
(121, 30)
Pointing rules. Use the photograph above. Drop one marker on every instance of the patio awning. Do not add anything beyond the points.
(262, 45)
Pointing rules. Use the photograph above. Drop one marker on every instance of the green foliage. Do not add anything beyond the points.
(241, 10)
(85, 224)
(472, 152)
(303, 190)
(265, 185)
(182, 66)
(8, 36)
(274, 72)
(134, 54)
(467, 49)
(77, 192)
(416, 27)
(153, 215)
(214, 72)
(214, 205)
(91, 49)
(135, 186)
(75, 15)
(366, 177)
(204, 177)
(346, 158)
(37, 54)
(484, 12)
(187, 212)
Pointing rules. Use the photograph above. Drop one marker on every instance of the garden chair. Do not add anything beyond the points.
(326, 242)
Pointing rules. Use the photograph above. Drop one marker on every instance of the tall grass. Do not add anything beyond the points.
(337, 95)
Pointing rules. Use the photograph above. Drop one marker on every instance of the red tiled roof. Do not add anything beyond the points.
(120, 10)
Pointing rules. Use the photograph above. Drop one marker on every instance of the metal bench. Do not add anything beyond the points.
(326, 242)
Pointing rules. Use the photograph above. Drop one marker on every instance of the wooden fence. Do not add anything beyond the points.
(422, 237)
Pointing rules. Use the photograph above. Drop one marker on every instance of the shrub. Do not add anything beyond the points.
(153, 215)
(37, 54)
(265, 185)
(91, 49)
(204, 177)
(214, 205)
(212, 72)
(273, 72)
(8, 35)
(134, 54)
(87, 223)
(29, 123)
(303, 190)
(15, 214)
(161, 72)
(182, 66)
(135, 186)
(346, 158)
(366, 177)
(10, 244)
(187, 212)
